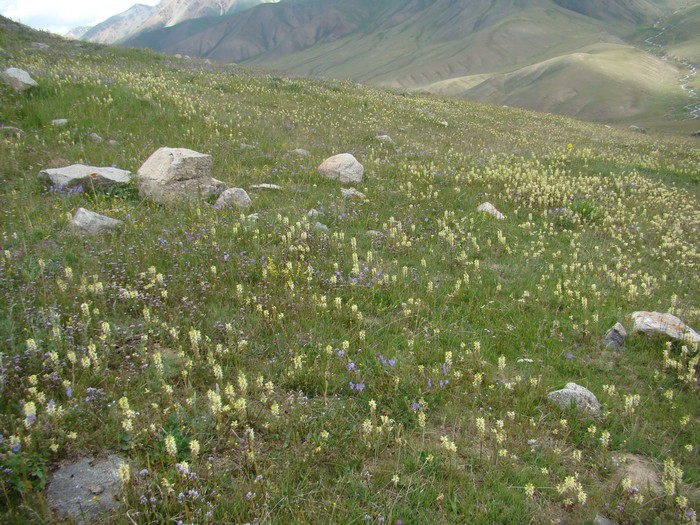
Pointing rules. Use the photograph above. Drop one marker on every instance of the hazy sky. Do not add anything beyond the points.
(60, 16)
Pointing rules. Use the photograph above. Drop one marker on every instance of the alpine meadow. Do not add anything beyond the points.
(487, 319)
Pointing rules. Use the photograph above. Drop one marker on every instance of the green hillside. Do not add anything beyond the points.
(378, 360)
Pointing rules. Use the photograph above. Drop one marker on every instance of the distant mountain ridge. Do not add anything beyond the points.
(140, 18)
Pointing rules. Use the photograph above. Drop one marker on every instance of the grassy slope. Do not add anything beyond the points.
(605, 82)
(445, 291)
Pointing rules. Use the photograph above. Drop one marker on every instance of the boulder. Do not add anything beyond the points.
(88, 177)
(352, 193)
(615, 337)
(85, 489)
(343, 167)
(176, 174)
(18, 79)
(88, 222)
(233, 197)
(665, 325)
(583, 398)
(489, 208)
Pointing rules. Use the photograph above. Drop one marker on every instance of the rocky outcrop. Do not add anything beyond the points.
(177, 174)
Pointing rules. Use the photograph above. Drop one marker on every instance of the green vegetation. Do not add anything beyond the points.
(266, 371)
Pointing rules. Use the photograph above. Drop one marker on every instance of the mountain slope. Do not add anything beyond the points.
(140, 18)
(415, 44)
(120, 26)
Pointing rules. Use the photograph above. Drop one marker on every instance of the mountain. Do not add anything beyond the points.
(550, 50)
(140, 18)
(77, 32)
(119, 27)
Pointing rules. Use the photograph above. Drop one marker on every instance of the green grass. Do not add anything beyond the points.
(278, 318)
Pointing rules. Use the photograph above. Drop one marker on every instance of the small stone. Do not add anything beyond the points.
(374, 233)
(112, 142)
(489, 208)
(88, 222)
(18, 79)
(384, 138)
(265, 186)
(615, 337)
(443, 123)
(352, 193)
(312, 213)
(300, 152)
(94, 137)
(343, 167)
(237, 197)
(321, 227)
(59, 122)
(666, 325)
(96, 489)
(583, 398)
(243, 145)
(638, 129)
(696, 134)
(602, 520)
(39, 46)
(10, 130)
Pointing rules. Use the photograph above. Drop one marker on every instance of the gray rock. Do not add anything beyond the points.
(59, 122)
(94, 137)
(300, 152)
(177, 174)
(638, 129)
(489, 208)
(602, 520)
(10, 130)
(615, 337)
(384, 138)
(665, 325)
(86, 489)
(265, 186)
(88, 177)
(39, 46)
(112, 142)
(88, 222)
(321, 227)
(352, 193)
(243, 145)
(237, 197)
(313, 212)
(580, 396)
(343, 167)
(18, 79)
(696, 134)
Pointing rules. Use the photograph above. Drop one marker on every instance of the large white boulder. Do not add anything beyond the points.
(177, 174)
(343, 167)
